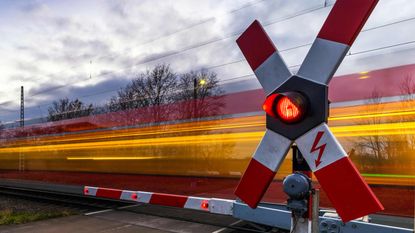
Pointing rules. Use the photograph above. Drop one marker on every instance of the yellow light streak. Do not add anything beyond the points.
(136, 132)
(146, 142)
(375, 127)
(403, 128)
(114, 158)
(243, 123)
(373, 115)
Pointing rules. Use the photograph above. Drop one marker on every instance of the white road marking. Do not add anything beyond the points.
(98, 212)
(128, 206)
(226, 228)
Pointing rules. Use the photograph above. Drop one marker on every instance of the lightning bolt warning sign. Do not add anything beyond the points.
(320, 148)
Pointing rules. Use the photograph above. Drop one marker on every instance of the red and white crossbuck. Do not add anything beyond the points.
(337, 175)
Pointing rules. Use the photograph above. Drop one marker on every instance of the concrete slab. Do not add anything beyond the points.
(156, 222)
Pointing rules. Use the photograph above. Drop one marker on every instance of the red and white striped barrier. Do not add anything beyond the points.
(212, 205)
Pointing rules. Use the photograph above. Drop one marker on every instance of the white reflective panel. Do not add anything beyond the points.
(128, 195)
(194, 203)
(272, 72)
(272, 150)
(92, 191)
(319, 147)
(221, 206)
(322, 60)
(144, 197)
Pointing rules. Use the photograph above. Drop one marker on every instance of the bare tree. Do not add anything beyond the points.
(203, 88)
(407, 87)
(406, 140)
(195, 94)
(152, 88)
(68, 109)
(371, 150)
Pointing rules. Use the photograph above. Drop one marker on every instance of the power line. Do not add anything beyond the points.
(202, 44)
(238, 77)
(201, 22)
(309, 44)
(230, 80)
(271, 22)
(220, 39)
(384, 47)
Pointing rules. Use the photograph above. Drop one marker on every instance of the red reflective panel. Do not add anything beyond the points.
(287, 110)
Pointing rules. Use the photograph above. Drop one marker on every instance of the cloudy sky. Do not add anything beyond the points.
(88, 49)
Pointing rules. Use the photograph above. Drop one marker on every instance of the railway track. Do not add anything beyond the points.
(79, 203)
(91, 206)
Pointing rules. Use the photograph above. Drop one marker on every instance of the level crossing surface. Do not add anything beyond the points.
(137, 218)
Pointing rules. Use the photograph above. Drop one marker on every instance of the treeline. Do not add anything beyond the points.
(155, 87)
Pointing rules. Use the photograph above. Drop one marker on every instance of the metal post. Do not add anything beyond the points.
(304, 223)
(21, 155)
(21, 107)
(315, 210)
(194, 97)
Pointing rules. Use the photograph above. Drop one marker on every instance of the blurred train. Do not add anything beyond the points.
(371, 113)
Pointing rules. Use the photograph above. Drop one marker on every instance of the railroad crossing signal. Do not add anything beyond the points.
(297, 111)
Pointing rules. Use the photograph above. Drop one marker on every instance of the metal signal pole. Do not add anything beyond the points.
(21, 107)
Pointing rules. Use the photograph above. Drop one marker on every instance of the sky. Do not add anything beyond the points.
(89, 49)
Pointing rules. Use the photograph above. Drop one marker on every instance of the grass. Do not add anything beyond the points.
(9, 216)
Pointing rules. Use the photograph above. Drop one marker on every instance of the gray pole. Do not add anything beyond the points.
(194, 96)
(21, 107)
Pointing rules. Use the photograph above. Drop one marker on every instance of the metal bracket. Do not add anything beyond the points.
(278, 216)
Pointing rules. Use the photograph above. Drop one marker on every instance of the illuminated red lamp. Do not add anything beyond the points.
(268, 105)
(86, 190)
(134, 196)
(205, 205)
(289, 107)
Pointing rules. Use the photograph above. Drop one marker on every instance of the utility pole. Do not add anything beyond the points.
(194, 89)
(21, 155)
(194, 96)
(21, 107)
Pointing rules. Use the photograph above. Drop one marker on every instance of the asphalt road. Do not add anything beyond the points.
(139, 218)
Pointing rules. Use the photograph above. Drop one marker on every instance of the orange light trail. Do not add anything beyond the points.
(403, 128)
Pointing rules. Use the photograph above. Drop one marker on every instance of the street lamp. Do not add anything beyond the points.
(202, 82)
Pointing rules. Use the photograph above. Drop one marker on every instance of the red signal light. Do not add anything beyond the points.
(287, 110)
(268, 105)
(290, 107)
(205, 204)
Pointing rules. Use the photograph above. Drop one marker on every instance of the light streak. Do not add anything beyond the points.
(375, 127)
(145, 142)
(115, 158)
(400, 128)
(388, 175)
(156, 130)
(373, 115)
(364, 77)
